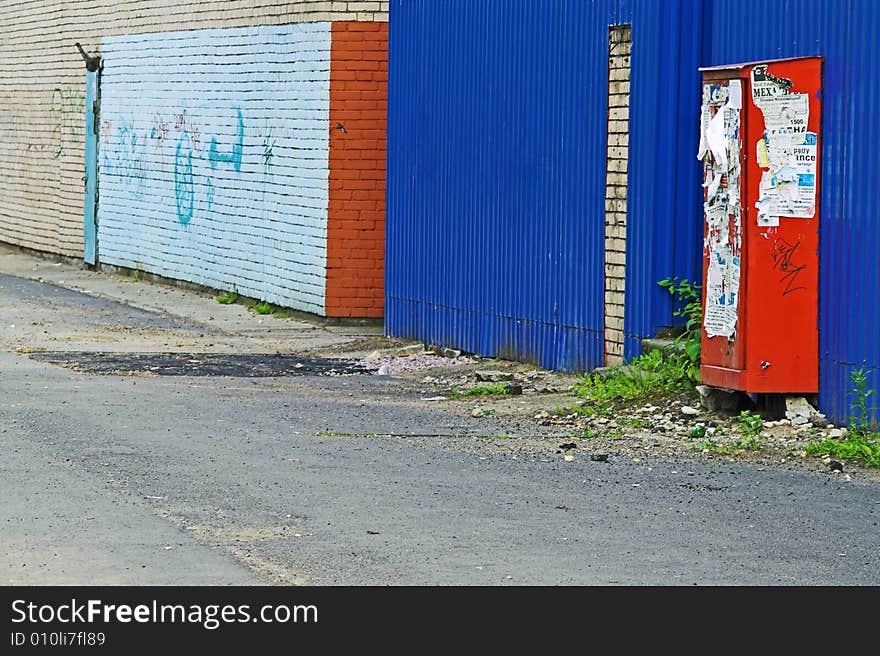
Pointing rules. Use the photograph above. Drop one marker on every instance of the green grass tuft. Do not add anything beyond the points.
(861, 447)
(262, 308)
(480, 390)
(652, 374)
(228, 297)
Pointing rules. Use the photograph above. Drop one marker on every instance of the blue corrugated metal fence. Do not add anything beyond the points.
(496, 160)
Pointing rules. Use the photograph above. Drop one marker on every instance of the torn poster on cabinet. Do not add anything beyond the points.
(722, 291)
(787, 152)
(720, 152)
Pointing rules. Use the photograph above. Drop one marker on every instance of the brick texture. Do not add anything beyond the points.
(42, 92)
(214, 158)
(356, 215)
(620, 45)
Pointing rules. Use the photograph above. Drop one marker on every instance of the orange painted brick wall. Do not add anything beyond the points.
(356, 216)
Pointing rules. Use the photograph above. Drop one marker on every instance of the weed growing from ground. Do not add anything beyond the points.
(136, 275)
(860, 414)
(861, 442)
(658, 373)
(750, 443)
(480, 390)
(860, 447)
(698, 432)
(690, 307)
(262, 308)
(712, 446)
(705, 438)
(584, 410)
(750, 424)
(653, 374)
(228, 297)
(743, 444)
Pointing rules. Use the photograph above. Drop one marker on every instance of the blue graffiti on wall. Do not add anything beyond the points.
(209, 192)
(233, 157)
(129, 164)
(129, 159)
(183, 180)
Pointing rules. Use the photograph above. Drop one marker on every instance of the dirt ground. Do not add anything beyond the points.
(544, 413)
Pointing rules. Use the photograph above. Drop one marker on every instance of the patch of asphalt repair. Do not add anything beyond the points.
(250, 365)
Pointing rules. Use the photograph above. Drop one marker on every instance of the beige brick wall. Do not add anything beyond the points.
(42, 92)
(620, 44)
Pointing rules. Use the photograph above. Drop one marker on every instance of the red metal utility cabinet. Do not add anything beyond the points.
(760, 139)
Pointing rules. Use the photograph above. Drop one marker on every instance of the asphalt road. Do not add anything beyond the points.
(109, 479)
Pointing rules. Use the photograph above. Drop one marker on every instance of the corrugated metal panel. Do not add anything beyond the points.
(664, 221)
(497, 135)
(496, 147)
(844, 33)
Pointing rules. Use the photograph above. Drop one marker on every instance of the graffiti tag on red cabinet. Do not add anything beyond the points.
(783, 261)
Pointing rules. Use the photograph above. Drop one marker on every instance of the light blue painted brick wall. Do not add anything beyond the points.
(214, 158)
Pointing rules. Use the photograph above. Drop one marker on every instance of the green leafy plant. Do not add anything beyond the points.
(480, 390)
(750, 443)
(750, 423)
(698, 432)
(860, 414)
(730, 449)
(864, 448)
(658, 372)
(861, 442)
(654, 373)
(228, 297)
(584, 410)
(136, 275)
(688, 297)
(585, 434)
(712, 446)
(262, 308)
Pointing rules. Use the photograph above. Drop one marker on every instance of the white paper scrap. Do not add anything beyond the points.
(704, 125)
(734, 94)
(716, 140)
